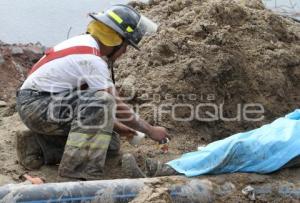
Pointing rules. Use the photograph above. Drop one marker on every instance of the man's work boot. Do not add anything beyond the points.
(52, 147)
(29, 151)
(130, 167)
(155, 169)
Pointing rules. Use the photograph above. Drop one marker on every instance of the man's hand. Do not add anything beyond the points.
(158, 133)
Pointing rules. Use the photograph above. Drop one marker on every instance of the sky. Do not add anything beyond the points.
(46, 21)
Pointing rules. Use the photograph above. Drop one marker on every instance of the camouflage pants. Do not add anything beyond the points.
(84, 117)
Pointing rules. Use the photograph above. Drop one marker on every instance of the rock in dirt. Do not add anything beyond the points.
(128, 88)
(157, 195)
(6, 180)
(249, 192)
(3, 104)
(16, 51)
(35, 50)
(2, 60)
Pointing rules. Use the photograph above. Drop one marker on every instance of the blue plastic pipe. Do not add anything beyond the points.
(116, 191)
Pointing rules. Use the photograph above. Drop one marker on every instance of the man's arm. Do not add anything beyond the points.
(124, 130)
(127, 117)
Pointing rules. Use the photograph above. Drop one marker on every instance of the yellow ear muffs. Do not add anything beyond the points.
(104, 34)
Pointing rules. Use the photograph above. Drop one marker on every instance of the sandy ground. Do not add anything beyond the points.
(11, 170)
(229, 186)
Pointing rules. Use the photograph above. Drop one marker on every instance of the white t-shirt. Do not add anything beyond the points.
(71, 71)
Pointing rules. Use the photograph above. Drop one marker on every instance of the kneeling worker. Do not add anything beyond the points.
(76, 127)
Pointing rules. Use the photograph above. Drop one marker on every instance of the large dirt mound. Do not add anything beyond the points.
(223, 52)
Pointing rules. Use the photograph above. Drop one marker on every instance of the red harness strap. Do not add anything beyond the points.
(51, 55)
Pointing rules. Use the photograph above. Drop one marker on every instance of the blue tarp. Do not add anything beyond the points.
(263, 150)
